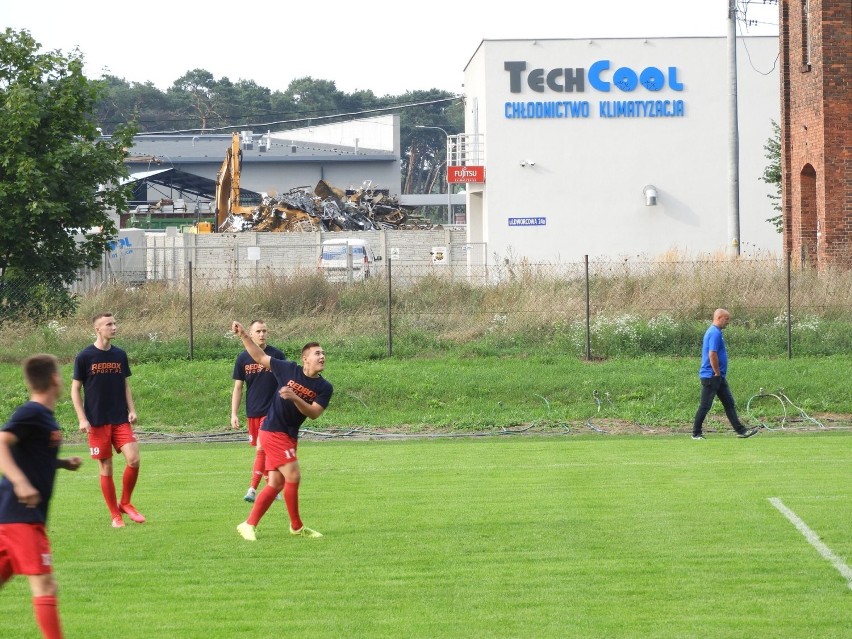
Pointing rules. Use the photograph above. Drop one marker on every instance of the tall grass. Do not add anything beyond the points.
(636, 308)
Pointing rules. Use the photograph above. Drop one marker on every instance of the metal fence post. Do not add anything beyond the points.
(390, 318)
(588, 312)
(789, 309)
(191, 340)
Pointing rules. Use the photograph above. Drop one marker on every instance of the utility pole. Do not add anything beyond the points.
(733, 248)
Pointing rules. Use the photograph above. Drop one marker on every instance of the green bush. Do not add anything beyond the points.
(41, 299)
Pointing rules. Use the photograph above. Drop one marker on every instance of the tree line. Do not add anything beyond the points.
(197, 101)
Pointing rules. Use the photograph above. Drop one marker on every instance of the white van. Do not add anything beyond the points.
(347, 260)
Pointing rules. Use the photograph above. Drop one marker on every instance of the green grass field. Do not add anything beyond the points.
(501, 536)
(470, 394)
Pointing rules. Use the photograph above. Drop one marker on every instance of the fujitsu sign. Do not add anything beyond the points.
(462, 174)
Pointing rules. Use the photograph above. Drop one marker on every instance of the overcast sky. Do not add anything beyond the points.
(387, 46)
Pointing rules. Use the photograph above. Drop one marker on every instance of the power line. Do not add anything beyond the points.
(745, 43)
(742, 7)
(306, 118)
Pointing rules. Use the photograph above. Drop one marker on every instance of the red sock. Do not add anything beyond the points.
(128, 483)
(108, 489)
(257, 470)
(291, 498)
(261, 504)
(46, 611)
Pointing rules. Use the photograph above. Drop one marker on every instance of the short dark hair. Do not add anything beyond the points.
(39, 370)
(258, 321)
(99, 316)
(309, 345)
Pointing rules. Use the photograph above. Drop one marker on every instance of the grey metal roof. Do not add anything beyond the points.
(180, 149)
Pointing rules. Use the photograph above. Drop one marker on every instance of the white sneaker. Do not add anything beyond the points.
(251, 493)
(247, 531)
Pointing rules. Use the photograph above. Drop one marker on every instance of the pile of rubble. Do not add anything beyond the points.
(325, 209)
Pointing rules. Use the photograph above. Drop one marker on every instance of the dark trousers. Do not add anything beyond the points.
(710, 389)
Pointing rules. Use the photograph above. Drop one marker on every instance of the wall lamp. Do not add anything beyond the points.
(650, 192)
(527, 162)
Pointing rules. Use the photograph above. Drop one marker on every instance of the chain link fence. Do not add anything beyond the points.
(432, 292)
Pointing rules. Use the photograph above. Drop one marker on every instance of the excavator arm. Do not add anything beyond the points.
(327, 208)
(227, 201)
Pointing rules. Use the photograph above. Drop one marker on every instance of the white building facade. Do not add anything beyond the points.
(617, 148)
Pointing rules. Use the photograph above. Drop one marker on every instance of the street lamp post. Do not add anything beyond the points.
(447, 175)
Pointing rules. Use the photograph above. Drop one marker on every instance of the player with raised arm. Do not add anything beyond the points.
(302, 393)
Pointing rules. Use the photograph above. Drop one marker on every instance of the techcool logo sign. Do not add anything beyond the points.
(601, 79)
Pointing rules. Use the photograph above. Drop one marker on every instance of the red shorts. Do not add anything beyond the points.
(254, 424)
(280, 449)
(24, 550)
(102, 439)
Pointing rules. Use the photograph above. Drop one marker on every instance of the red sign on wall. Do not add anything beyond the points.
(461, 174)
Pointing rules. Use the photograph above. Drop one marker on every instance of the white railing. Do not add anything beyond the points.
(466, 149)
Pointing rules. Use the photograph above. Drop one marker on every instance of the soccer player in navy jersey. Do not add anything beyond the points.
(106, 414)
(29, 457)
(260, 388)
(302, 392)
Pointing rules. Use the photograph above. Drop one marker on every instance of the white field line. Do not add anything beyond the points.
(813, 540)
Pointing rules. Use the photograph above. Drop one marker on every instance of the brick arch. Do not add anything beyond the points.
(809, 231)
(816, 137)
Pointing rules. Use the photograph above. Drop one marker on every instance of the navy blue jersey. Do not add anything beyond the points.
(39, 438)
(260, 382)
(103, 375)
(283, 416)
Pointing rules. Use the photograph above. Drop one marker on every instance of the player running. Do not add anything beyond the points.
(29, 457)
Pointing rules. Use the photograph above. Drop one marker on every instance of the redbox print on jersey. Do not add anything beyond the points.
(302, 391)
(105, 367)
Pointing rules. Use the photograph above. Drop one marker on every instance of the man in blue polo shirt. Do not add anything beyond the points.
(714, 367)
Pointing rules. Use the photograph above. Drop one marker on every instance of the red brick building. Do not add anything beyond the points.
(816, 130)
